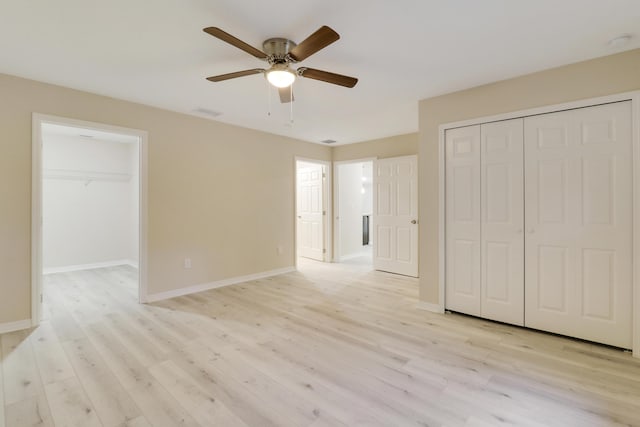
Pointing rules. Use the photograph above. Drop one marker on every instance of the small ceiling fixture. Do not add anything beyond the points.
(281, 76)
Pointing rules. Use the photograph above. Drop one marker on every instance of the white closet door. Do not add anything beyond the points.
(395, 215)
(502, 236)
(578, 176)
(463, 220)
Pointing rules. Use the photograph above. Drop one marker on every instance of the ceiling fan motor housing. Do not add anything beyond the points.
(278, 49)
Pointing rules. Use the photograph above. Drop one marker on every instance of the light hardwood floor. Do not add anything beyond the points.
(330, 345)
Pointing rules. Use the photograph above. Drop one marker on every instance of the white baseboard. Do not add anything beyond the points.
(15, 326)
(132, 263)
(68, 268)
(219, 284)
(427, 306)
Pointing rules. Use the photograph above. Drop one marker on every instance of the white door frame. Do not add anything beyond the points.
(634, 97)
(36, 202)
(336, 201)
(326, 196)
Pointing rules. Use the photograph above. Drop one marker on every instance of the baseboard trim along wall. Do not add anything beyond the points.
(427, 306)
(219, 284)
(79, 267)
(15, 326)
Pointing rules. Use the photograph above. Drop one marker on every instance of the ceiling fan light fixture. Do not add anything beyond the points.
(281, 77)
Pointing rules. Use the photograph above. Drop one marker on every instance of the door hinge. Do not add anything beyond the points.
(324, 175)
(40, 298)
(324, 251)
(324, 212)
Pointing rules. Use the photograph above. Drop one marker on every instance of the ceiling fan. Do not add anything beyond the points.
(280, 53)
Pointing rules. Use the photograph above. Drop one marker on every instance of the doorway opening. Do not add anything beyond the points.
(312, 204)
(88, 217)
(353, 194)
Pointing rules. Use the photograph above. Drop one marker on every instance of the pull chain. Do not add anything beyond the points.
(268, 97)
(291, 104)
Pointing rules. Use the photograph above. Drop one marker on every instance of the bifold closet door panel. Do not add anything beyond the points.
(502, 229)
(462, 220)
(578, 222)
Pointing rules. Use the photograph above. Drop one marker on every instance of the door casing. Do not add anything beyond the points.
(36, 203)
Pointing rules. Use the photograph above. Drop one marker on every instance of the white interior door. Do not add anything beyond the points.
(463, 262)
(395, 215)
(578, 178)
(502, 229)
(310, 210)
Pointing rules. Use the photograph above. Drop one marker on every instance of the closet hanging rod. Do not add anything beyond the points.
(85, 175)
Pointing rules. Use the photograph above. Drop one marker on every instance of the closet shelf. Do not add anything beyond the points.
(85, 175)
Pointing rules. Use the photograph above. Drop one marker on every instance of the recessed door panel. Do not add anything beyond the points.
(462, 273)
(497, 271)
(598, 190)
(598, 283)
(553, 278)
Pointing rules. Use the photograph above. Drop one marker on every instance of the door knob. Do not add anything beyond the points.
(299, 216)
(413, 221)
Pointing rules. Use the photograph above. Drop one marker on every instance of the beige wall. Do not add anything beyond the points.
(394, 146)
(598, 77)
(219, 194)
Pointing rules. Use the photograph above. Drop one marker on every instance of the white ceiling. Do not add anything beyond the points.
(155, 52)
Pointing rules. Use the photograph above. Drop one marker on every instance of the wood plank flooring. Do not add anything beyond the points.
(329, 345)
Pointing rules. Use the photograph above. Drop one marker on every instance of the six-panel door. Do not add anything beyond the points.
(578, 223)
(310, 211)
(395, 216)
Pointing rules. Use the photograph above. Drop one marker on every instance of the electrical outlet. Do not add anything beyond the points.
(187, 263)
(280, 250)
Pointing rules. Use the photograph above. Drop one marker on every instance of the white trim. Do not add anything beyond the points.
(336, 203)
(15, 326)
(427, 306)
(218, 284)
(36, 202)
(79, 267)
(327, 221)
(634, 97)
(635, 126)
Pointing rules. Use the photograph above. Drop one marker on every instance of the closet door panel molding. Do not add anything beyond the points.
(502, 221)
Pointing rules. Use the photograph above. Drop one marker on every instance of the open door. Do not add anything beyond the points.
(395, 215)
(310, 210)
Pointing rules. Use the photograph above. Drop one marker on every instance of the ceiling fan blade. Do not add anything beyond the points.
(228, 76)
(325, 76)
(316, 41)
(286, 94)
(226, 37)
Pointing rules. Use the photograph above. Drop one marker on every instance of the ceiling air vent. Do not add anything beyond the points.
(207, 112)
(329, 141)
